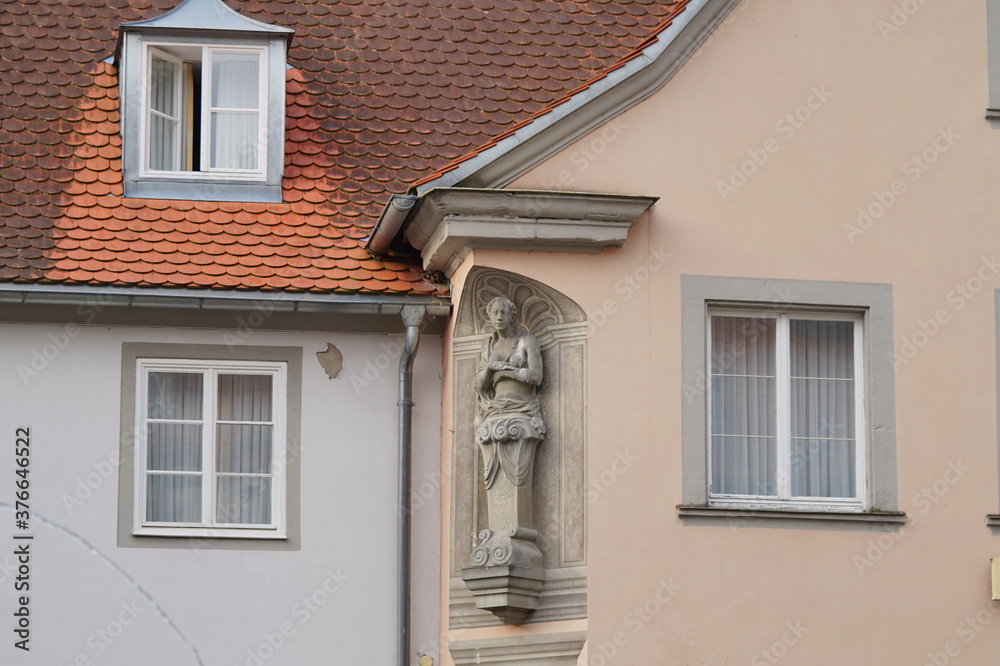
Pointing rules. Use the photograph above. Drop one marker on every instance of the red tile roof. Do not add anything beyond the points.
(382, 94)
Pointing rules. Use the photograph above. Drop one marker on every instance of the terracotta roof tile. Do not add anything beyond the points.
(380, 97)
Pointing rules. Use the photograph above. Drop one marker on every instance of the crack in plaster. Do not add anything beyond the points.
(117, 569)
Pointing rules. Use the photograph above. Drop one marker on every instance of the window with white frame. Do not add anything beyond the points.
(210, 448)
(202, 92)
(204, 111)
(786, 408)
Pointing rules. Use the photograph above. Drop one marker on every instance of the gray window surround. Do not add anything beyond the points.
(292, 357)
(993, 519)
(197, 186)
(993, 58)
(698, 293)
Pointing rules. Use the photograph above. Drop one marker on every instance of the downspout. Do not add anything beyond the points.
(413, 316)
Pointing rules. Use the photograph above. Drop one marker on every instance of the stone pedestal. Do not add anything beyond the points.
(509, 592)
(507, 575)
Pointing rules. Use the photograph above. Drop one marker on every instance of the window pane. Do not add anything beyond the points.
(164, 115)
(244, 448)
(743, 345)
(822, 408)
(175, 395)
(173, 498)
(744, 465)
(244, 499)
(236, 80)
(823, 468)
(163, 86)
(822, 348)
(173, 447)
(162, 144)
(235, 143)
(822, 395)
(744, 406)
(245, 397)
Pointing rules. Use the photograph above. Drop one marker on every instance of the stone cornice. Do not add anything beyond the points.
(448, 223)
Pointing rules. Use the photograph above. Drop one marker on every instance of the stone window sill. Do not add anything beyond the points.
(734, 515)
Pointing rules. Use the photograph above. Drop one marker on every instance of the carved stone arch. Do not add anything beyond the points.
(560, 469)
(539, 306)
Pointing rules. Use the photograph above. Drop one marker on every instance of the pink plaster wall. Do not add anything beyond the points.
(880, 97)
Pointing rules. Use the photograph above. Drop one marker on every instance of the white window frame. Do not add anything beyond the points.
(209, 527)
(206, 172)
(784, 499)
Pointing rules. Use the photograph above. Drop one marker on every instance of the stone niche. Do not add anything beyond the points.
(559, 482)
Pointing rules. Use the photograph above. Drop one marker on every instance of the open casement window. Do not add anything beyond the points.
(786, 410)
(203, 105)
(205, 111)
(210, 449)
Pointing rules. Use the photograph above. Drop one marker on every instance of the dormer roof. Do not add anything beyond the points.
(207, 15)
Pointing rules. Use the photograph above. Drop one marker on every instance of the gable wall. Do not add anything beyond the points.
(885, 97)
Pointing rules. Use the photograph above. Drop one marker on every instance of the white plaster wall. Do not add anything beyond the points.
(226, 604)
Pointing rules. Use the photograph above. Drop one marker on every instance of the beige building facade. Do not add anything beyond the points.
(820, 170)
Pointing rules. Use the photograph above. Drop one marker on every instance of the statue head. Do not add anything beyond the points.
(500, 310)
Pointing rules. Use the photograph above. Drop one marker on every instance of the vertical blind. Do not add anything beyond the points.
(819, 415)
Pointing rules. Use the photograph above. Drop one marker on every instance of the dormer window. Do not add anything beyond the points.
(205, 110)
(203, 105)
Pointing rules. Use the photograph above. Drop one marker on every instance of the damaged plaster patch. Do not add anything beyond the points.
(331, 360)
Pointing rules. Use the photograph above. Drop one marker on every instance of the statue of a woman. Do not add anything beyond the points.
(509, 422)
(506, 573)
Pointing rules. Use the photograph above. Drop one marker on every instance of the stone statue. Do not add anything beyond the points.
(506, 574)
(509, 423)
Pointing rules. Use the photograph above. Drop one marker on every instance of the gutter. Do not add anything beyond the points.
(413, 316)
(396, 210)
(214, 299)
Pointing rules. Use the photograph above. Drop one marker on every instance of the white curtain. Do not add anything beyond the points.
(244, 449)
(235, 110)
(744, 444)
(164, 115)
(174, 447)
(823, 445)
(820, 413)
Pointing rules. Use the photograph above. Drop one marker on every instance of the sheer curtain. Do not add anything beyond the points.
(164, 115)
(244, 449)
(235, 110)
(820, 412)
(173, 448)
(823, 446)
(744, 433)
